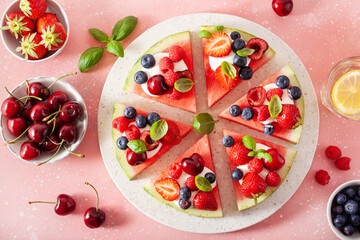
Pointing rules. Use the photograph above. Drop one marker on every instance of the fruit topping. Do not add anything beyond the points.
(256, 96)
(122, 142)
(205, 201)
(333, 152)
(218, 45)
(152, 117)
(174, 94)
(148, 61)
(141, 121)
(130, 113)
(31, 47)
(234, 35)
(29, 151)
(174, 171)
(294, 93)
(255, 166)
(171, 77)
(149, 142)
(190, 183)
(238, 154)
(140, 77)
(185, 193)
(165, 64)
(10, 107)
(16, 125)
(157, 85)
(120, 123)
(185, 74)
(168, 188)
(282, 82)
(172, 136)
(228, 141)
(282, 7)
(203, 184)
(18, 24)
(38, 131)
(132, 133)
(245, 73)
(322, 177)
(262, 113)
(269, 129)
(253, 185)
(259, 45)
(237, 44)
(70, 111)
(247, 113)
(273, 92)
(210, 177)
(193, 165)
(289, 117)
(56, 99)
(183, 204)
(277, 161)
(237, 174)
(176, 53)
(134, 158)
(225, 81)
(343, 163)
(239, 61)
(273, 179)
(235, 111)
(94, 217)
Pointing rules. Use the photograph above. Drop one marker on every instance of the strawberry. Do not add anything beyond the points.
(166, 64)
(343, 163)
(120, 123)
(253, 185)
(172, 137)
(226, 82)
(33, 9)
(238, 154)
(53, 36)
(273, 92)
(289, 117)
(262, 113)
(273, 179)
(255, 166)
(168, 188)
(174, 94)
(171, 77)
(31, 47)
(218, 45)
(190, 183)
(322, 177)
(205, 201)
(174, 170)
(176, 53)
(18, 24)
(46, 19)
(132, 133)
(259, 45)
(333, 152)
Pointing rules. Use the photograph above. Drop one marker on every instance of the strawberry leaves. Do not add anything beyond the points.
(250, 143)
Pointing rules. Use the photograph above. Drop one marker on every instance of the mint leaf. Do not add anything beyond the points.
(249, 142)
(137, 146)
(260, 151)
(266, 156)
(218, 28)
(90, 58)
(158, 129)
(124, 27)
(115, 48)
(204, 123)
(184, 85)
(275, 106)
(252, 154)
(228, 69)
(204, 34)
(99, 35)
(202, 184)
(244, 52)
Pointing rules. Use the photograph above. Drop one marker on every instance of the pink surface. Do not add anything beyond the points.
(320, 32)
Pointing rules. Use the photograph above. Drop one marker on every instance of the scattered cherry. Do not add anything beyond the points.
(51, 144)
(70, 111)
(94, 217)
(134, 158)
(29, 151)
(68, 133)
(16, 125)
(282, 7)
(10, 107)
(38, 131)
(38, 89)
(277, 161)
(193, 165)
(64, 204)
(39, 112)
(157, 85)
(56, 99)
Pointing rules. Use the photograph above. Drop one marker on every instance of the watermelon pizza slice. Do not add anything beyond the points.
(189, 183)
(164, 73)
(136, 148)
(257, 167)
(230, 56)
(275, 107)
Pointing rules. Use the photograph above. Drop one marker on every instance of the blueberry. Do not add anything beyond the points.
(185, 193)
(349, 230)
(339, 221)
(183, 204)
(357, 198)
(210, 177)
(228, 141)
(235, 35)
(337, 209)
(269, 129)
(141, 121)
(247, 114)
(340, 198)
(148, 61)
(294, 93)
(237, 44)
(152, 117)
(351, 207)
(239, 61)
(237, 174)
(349, 192)
(130, 112)
(355, 220)
(235, 111)
(140, 77)
(245, 73)
(121, 143)
(282, 82)
(358, 191)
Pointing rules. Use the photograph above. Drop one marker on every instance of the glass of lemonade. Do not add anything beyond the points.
(341, 90)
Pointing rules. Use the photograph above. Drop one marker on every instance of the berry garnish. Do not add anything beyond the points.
(176, 53)
(122, 142)
(172, 136)
(237, 174)
(140, 77)
(166, 64)
(322, 177)
(262, 113)
(120, 123)
(130, 113)
(289, 116)
(190, 183)
(239, 61)
(235, 110)
(253, 185)
(157, 85)
(174, 94)
(269, 129)
(193, 165)
(148, 61)
(277, 161)
(273, 179)
(174, 170)
(64, 204)
(234, 35)
(256, 96)
(333, 152)
(247, 114)
(245, 73)
(282, 82)
(171, 77)
(152, 117)
(185, 193)
(294, 93)
(237, 44)
(168, 188)
(94, 217)
(238, 154)
(141, 121)
(259, 45)
(273, 92)
(134, 158)
(205, 201)
(210, 177)
(282, 7)
(255, 166)
(184, 204)
(228, 141)
(343, 163)
(132, 133)
(225, 81)
(218, 45)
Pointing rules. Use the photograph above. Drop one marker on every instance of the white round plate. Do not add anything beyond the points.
(133, 190)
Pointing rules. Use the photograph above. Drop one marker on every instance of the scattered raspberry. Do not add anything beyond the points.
(132, 133)
(174, 170)
(176, 53)
(343, 163)
(166, 64)
(255, 166)
(174, 94)
(273, 179)
(120, 123)
(333, 152)
(262, 113)
(171, 77)
(322, 177)
(273, 92)
(190, 183)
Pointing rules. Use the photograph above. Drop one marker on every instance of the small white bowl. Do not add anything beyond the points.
(329, 205)
(11, 43)
(81, 123)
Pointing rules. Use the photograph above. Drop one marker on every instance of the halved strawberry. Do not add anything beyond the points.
(238, 154)
(226, 82)
(273, 92)
(218, 45)
(172, 137)
(205, 201)
(289, 117)
(262, 113)
(259, 45)
(253, 185)
(168, 188)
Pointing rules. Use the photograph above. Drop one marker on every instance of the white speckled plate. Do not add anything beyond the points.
(232, 220)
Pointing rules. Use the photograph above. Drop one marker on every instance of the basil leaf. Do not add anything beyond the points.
(249, 142)
(99, 35)
(184, 85)
(265, 156)
(204, 123)
(228, 69)
(244, 52)
(124, 27)
(252, 154)
(203, 184)
(158, 129)
(116, 48)
(260, 151)
(89, 58)
(137, 146)
(275, 106)
(204, 34)
(218, 28)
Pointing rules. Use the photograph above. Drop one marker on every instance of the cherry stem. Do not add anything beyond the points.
(12, 95)
(21, 141)
(30, 96)
(57, 151)
(76, 154)
(61, 78)
(97, 196)
(22, 134)
(41, 202)
(53, 141)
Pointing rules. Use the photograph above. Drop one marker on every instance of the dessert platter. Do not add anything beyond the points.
(260, 149)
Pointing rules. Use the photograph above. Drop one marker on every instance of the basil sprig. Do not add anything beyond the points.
(275, 106)
(158, 129)
(228, 69)
(184, 85)
(137, 146)
(250, 144)
(204, 123)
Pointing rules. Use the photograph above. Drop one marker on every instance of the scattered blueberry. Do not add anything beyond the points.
(228, 141)
(349, 230)
(355, 220)
(140, 77)
(152, 117)
(237, 174)
(235, 35)
(282, 82)
(349, 192)
(141, 121)
(185, 193)
(210, 177)
(237, 44)
(294, 92)
(351, 207)
(269, 129)
(245, 73)
(130, 112)
(337, 209)
(148, 61)
(340, 199)
(239, 61)
(339, 221)
(235, 111)
(183, 204)
(122, 142)
(247, 114)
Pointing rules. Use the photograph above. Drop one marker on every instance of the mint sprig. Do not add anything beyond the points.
(203, 184)
(275, 106)
(205, 34)
(250, 144)
(137, 146)
(244, 52)
(228, 69)
(158, 129)
(184, 85)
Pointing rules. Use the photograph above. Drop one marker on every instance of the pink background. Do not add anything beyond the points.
(320, 32)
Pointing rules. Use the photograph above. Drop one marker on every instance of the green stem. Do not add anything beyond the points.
(97, 196)
(61, 78)
(76, 154)
(22, 134)
(41, 202)
(7, 90)
(30, 96)
(52, 155)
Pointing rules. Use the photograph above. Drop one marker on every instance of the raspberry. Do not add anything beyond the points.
(333, 152)
(273, 179)
(174, 94)
(263, 113)
(273, 92)
(322, 177)
(166, 64)
(255, 166)
(174, 170)
(171, 77)
(176, 53)
(132, 133)
(120, 123)
(190, 183)
(343, 163)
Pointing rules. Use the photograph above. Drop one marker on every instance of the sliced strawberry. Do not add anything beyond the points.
(205, 201)
(226, 82)
(262, 113)
(273, 92)
(172, 137)
(253, 185)
(289, 117)
(238, 154)
(168, 188)
(259, 45)
(218, 45)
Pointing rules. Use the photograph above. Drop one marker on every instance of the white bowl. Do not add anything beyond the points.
(11, 43)
(81, 123)
(329, 205)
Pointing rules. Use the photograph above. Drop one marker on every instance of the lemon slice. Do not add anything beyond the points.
(346, 93)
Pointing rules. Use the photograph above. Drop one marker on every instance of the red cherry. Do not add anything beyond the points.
(149, 142)
(38, 131)
(282, 7)
(94, 217)
(134, 158)
(68, 133)
(10, 107)
(37, 89)
(277, 160)
(157, 85)
(39, 112)
(29, 151)
(64, 204)
(29, 104)
(56, 99)
(256, 96)
(70, 111)
(51, 144)
(16, 125)
(58, 122)
(193, 165)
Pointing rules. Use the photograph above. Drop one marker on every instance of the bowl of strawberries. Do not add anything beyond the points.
(34, 30)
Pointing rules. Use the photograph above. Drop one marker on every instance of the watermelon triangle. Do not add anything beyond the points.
(132, 171)
(288, 154)
(188, 101)
(214, 90)
(291, 135)
(201, 147)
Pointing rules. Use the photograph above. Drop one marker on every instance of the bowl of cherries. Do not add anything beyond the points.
(43, 120)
